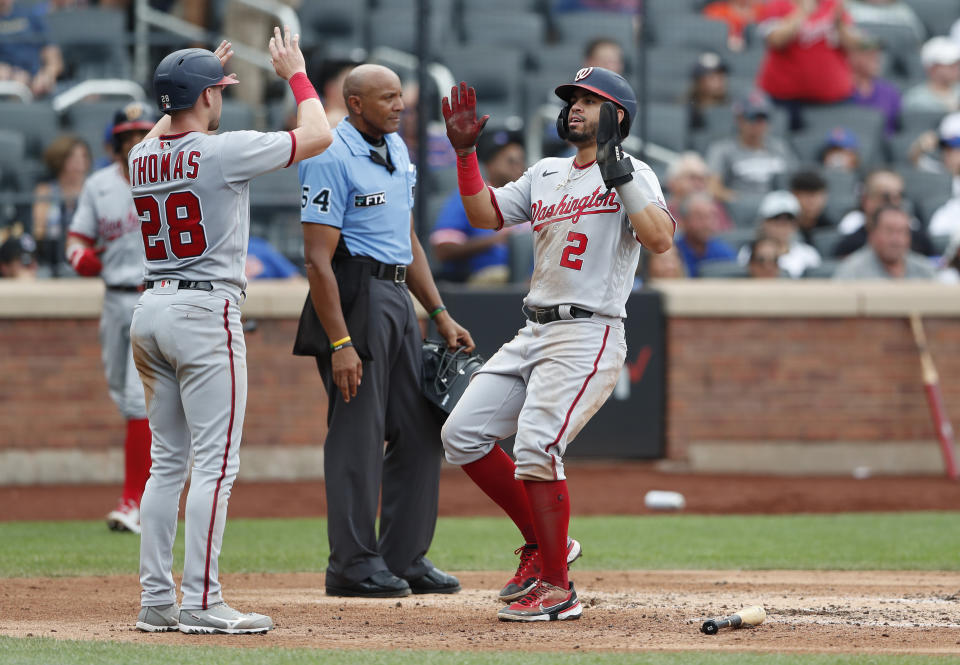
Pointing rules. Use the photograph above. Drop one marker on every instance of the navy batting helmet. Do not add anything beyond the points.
(134, 117)
(183, 75)
(604, 83)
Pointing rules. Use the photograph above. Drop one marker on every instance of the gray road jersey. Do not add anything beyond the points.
(585, 251)
(105, 216)
(192, 196)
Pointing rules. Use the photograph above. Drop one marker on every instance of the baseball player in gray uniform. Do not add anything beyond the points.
(104, 240)
(590, 215)
(190, 188)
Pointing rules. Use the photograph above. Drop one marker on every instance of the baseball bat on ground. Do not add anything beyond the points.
(931, 383)
(748, 616)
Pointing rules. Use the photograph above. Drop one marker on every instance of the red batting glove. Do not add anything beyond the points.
(85, 261)
(460, 114)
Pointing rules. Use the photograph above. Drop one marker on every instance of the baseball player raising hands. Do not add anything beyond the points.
(590, 214)
(104, 240)
(190, 188)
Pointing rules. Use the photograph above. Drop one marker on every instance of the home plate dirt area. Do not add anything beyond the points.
(872, 612)
(821, 611)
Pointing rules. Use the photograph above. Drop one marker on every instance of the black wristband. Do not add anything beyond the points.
(336, 348)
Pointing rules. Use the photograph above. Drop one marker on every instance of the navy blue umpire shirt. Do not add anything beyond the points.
(344, 187)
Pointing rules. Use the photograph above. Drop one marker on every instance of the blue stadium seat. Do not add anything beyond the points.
(577, 29)
(737, 237)
(928, 191)
(937, 15)
(36, 120)
(901, 45)
(334, 24)
(495, 74)
(743, 210)
(520, 30)
(12, 148)
(825, 240)
(823, 271)
(722, 269)
(397, 28)
(667, 125)
(89, 120)
(93, 41)
(694, 31)
(865, 122)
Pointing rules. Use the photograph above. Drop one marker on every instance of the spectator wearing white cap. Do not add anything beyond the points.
(777, 219)
(941, 91)
(945, 221)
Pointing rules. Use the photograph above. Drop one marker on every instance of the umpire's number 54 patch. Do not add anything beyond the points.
(321, 200)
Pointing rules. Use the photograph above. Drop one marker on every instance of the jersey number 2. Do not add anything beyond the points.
(577, 247)
(183, 217)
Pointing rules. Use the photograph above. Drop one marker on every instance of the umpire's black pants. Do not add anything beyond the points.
(390, 407)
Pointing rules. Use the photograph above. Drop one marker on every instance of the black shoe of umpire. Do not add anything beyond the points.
(435, 581)
(382, 584)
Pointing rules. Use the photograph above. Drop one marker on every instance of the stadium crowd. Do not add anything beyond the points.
(794, 138)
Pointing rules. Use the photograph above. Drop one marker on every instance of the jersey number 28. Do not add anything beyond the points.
(182, 217)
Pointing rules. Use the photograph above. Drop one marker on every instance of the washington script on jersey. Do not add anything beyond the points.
(573, 208)
(154, 168)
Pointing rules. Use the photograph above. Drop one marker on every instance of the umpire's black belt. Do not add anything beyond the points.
(190, 286)
(558, 313)
(394, 273)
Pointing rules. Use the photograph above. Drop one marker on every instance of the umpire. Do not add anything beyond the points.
(361, 257)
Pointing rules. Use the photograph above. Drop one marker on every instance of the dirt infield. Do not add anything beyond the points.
(863, 612)
(821, 611)
(595, 489)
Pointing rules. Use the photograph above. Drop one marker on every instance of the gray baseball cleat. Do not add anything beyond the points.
(221, 618)
(159, 618)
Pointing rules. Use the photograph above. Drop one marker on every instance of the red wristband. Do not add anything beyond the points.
(469, 179)
(302, 88)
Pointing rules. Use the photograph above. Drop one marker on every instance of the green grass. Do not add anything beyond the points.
(861, 541)
(41, 651)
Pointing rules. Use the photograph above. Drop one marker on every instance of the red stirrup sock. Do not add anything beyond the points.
(493, 473)
(136, 459)
(550, 508)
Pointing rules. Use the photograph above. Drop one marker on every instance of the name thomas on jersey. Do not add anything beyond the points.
(155, 168)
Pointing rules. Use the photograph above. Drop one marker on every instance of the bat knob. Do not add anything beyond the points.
(709, 627)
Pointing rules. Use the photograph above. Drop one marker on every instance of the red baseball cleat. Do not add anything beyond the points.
(528, 572)
(544, 603)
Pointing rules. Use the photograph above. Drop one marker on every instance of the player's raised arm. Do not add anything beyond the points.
(651, 223)
(312, 134)
(463, 130)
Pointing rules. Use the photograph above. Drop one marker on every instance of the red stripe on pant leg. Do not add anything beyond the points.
(226, 452)
(566, 420)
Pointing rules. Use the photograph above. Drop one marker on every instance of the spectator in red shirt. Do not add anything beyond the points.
(806, 60)
(737, 14)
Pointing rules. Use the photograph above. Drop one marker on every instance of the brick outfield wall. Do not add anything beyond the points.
(729, 379)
